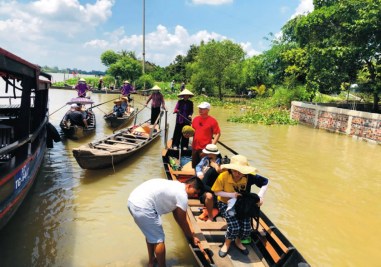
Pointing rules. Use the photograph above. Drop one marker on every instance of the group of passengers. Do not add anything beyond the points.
(76, 116)
(218, 185)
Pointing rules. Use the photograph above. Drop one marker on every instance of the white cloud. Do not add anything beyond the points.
(63, 33)
(304, 7)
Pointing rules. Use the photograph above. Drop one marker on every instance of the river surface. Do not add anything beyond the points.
(324, 195)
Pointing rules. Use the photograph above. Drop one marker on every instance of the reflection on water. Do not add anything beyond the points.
(323, 195)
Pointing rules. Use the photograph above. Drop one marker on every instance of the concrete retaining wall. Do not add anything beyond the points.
(364, 125)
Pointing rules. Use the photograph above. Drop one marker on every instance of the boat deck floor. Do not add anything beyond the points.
(212, 236)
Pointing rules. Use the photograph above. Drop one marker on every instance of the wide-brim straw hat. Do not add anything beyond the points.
(124, 98)
(156, 88)
(239, 163)
(126, 81)
(118, 101)
(82, 80)
(211, 149)
(185, 92)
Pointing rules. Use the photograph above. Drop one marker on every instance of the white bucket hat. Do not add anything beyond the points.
(204, 105)
(211, 149)
(239, 163)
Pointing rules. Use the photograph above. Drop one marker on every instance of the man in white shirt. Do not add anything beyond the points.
(155, 197)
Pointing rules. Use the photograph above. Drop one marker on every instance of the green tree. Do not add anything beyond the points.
(342, 38)
(215, 61)
(109, 57)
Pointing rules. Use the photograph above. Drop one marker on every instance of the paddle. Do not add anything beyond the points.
(225, 146)
(103, 103)
(57, 110)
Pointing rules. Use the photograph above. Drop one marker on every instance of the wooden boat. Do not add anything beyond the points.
(268, 247)
(74, 131)
(117, 147)
(23, 129)
(115, 122)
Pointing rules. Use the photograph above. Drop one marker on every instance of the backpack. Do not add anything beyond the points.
(246, 206)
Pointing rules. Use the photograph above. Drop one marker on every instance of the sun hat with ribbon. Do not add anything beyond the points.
(185, 92)
(211, 149)
(239, 163)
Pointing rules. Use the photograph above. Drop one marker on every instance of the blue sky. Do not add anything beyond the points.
(73, 33)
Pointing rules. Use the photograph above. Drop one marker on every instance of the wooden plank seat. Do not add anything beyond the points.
(134, 140)
(113, 148)
(271, 242)
(119, 142)
(144, 136)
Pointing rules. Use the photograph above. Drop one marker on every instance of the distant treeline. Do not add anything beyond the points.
(72, 71)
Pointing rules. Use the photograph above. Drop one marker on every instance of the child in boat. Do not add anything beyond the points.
(118, 109)
(237, 178)
(208, 170)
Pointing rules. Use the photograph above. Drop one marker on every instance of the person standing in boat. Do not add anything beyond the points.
(82, 87)
(100, 84)
(184, 111)
(157, 103)
(126, 90)
(156, 197)
(207, 131)
(208, 170)
(75, 116)
(238, 178)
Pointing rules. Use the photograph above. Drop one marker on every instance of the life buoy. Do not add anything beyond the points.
(52, 135)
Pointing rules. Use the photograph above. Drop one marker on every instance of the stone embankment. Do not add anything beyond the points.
(358, 124)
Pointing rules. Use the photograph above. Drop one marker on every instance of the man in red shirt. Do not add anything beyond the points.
(207, 131)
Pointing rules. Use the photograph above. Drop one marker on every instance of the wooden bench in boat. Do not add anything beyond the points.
(119, 142)
(144, 136)
(114, 148)
(270, 242)
(129, 139)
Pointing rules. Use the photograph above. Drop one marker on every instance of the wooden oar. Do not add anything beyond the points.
(103, 103)
(57, 110)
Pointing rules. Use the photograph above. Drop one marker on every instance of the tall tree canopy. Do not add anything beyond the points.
(217, 61)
